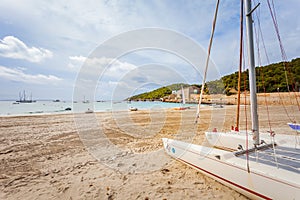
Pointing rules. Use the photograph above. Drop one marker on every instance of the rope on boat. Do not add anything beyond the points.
(283, 53)
(286, 68)
(240, 65)
(258, 33)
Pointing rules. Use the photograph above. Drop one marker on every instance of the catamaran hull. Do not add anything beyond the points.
(294, 126)
(230, 170)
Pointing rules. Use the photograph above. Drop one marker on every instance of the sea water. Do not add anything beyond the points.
(8, 108)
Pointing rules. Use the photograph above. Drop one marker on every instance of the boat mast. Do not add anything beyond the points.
(24, 95)
(207, 60)
(240, 65)
(252, 76)
(182, 96)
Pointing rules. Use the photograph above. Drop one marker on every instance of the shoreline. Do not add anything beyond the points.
(275, 98)
(283, 98)
(42, 109)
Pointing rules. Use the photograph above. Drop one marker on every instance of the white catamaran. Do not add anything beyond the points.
(236, 138)
(267, 170)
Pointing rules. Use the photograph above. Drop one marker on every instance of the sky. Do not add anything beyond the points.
(76, 49)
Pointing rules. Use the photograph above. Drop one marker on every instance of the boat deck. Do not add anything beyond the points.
(282, 157)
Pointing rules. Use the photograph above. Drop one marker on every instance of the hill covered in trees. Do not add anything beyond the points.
(270, 78)
(158, 93)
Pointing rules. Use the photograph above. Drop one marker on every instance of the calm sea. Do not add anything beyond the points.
(8, 108)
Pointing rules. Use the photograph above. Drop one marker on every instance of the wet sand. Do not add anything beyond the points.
(49, 156)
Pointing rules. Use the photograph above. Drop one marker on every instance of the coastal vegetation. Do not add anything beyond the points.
(153, 95)
(159, 93)
(270, 78)
(282, 77)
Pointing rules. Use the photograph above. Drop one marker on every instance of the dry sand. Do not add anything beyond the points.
(44, 157)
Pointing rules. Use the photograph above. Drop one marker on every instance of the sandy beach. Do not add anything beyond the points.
(57, 157)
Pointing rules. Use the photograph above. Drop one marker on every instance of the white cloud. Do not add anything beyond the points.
(80, 23)
(76, 62)
(12, 47)
(78, 58)
(20, 76)
(113, 68)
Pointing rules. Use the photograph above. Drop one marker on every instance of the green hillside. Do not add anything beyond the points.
(158, 93)
(269, 78)
(155, 94)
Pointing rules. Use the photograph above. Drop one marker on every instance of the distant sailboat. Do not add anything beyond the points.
(23, 98)
(182, 107)
(85, 101)
(183, 96)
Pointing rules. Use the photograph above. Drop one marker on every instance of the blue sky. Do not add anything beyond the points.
(43, 44)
